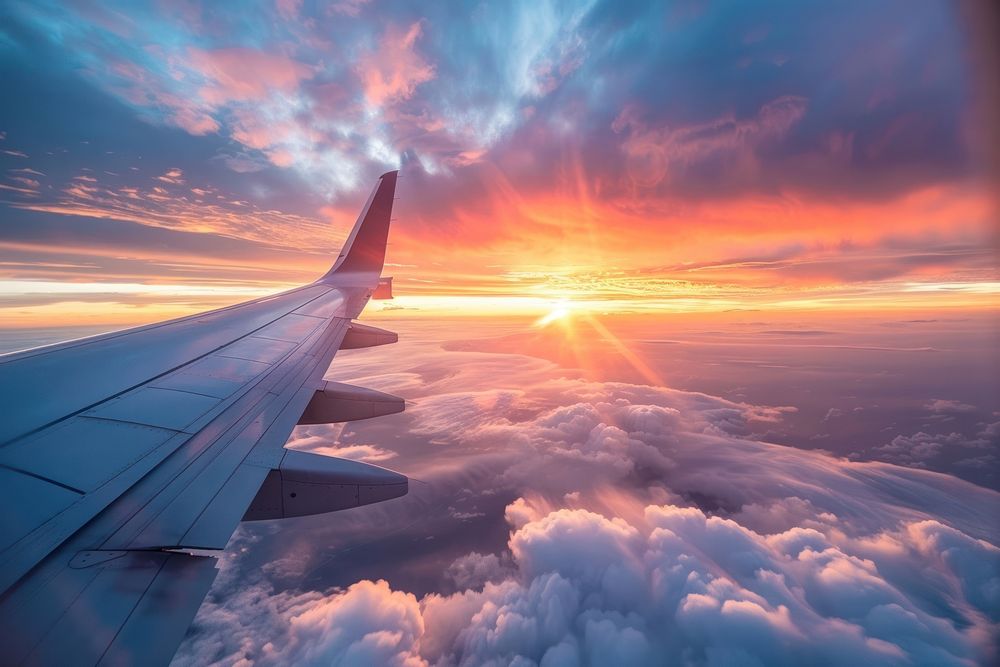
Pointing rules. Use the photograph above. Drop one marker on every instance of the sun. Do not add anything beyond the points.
(560, 311)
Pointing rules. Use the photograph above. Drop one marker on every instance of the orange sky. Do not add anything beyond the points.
(726, 164)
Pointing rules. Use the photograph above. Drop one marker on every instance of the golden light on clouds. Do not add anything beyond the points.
(516, 253)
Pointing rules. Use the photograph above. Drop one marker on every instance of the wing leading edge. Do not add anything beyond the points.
(124, 450)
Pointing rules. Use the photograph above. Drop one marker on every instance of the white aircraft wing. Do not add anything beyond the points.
(121, 453)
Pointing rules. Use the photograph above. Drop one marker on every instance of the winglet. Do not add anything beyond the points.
(364, 250)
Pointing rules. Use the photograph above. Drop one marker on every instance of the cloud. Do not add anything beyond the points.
(474, 570)
(654, 154)
(833, 413)
(173, 176)
(541, 426)
(730, 103)
(289, 9)
(146, 88)
(940, 405)
(316, 439)
(593, 133)
(168, 203)
(192, 120)
(919, 449)
(243, 163)
(393, 70)
(349, 7)
(671, 583)
(648, 525)
(226, 74)
(369, 625)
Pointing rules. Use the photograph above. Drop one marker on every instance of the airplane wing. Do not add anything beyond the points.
(122, 453)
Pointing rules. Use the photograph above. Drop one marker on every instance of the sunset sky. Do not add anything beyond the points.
(665, 156)
(697, 305)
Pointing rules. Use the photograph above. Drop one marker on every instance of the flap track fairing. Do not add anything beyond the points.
(337, 402)
(306, 483)
(363, 335)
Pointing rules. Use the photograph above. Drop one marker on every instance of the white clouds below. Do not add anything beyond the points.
(807, 559)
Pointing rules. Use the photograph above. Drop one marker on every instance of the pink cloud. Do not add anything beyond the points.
(349, 7)
(289, 9)
(272, 136)
(193, 121)
(140, 87)
(168, 204)
(654, 153)
(26, 182)
(394, 69)
(945, 406)
(242, 74)
(19, 190)
(253, 131)
(173, 176)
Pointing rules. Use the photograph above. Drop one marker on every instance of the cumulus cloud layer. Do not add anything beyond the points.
(670, 583)
(649, 526)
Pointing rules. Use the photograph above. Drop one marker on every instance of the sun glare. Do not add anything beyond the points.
(559, 312)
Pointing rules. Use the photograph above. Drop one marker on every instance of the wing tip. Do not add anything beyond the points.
(364, 250)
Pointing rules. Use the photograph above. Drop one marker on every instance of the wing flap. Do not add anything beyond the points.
(195, 510)
(47, 500)
(159, 621)
(223, 513)
(131, 608)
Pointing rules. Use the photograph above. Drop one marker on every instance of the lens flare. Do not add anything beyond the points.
(559, 312)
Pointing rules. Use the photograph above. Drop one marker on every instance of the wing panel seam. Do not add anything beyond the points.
(270, 378)
(163, 374)
(42, 478)
(293, 388)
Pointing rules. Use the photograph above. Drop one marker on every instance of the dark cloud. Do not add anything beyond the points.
(921, 449)
(77, 246)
